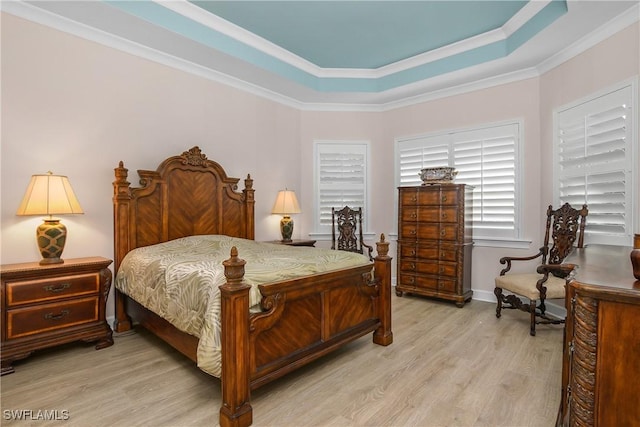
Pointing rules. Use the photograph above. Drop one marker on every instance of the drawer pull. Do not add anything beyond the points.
(57, 288)
(412, 266)
(412, 232)
(441, 269)
(414, 216)
(413, 252)
(442, 254)
(51, 316)
(443, 233)
(444, 198)
(444, 215)
(414, 198)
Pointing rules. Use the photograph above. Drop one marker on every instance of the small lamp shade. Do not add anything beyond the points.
(286, 204)
(50, 194)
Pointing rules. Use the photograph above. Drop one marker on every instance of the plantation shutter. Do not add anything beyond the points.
(341, 179)
(484, 158)
(593, 152)
(422, 153)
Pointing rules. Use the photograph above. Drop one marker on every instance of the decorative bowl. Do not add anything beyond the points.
(439, 175)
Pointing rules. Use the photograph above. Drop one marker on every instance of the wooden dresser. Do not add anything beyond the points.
(47, 305)
(435, 241)
(601, 357)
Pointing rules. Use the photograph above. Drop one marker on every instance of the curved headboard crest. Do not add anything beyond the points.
(186, 195)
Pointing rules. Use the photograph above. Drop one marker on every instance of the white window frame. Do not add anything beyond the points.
(588, 106)
(511, 239)
(339, 147)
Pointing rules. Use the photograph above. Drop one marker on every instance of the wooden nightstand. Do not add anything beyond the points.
(46, 305)
(295, 242)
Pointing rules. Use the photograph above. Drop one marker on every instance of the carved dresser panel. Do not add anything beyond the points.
(601, 356)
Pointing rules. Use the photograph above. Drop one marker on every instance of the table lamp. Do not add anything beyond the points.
(50, 194)
(286, 204)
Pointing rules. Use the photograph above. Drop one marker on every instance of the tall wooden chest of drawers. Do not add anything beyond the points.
(47, 305)
(435, 241)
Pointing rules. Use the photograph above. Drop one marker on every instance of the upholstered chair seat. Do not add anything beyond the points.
(525, 284)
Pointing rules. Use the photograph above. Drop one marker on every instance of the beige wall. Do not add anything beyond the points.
(76, 107)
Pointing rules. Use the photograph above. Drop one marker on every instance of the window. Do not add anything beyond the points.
(340, 179)
(594, 146)
(486, 158)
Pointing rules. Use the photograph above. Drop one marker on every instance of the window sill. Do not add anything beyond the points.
(502, 243)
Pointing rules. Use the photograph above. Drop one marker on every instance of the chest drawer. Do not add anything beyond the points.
(430, 214)
(432, 231)
(435, 196)
(429, 267)
(435, 252)
(47, 317)
(432, 283)
(41, 290)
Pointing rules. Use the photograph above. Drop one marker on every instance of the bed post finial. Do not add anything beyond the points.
(121, 174)
(236, 410)
(382, 247)
(234, 268)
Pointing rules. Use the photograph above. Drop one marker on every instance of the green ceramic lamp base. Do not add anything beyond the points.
(51, 237)
(286, 228)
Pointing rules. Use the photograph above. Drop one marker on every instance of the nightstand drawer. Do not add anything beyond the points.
(29, 291)
(47, 317)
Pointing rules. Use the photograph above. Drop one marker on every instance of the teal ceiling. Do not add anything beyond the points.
(364, 34)
(349, 35)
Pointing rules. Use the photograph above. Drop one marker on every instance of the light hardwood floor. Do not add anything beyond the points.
(446, 367)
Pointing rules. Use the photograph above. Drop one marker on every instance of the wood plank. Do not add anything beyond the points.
(488, 373)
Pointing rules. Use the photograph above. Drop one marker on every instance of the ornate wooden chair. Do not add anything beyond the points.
(346, 230)
(565, 226)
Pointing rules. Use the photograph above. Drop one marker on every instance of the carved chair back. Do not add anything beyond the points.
(346, 231)
(564, 226)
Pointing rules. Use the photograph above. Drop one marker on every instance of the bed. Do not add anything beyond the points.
(296, 320)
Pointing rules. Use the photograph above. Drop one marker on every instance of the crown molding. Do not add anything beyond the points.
(415, 93)
(615, 25)
(69, 26)
(220, 25)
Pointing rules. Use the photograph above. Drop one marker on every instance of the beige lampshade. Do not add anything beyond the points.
(49, 194)
(286, 203)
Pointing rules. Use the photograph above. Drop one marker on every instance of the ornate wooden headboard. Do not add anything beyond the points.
(187, 195)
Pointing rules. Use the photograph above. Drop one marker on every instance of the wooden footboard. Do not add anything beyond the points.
(302, 320)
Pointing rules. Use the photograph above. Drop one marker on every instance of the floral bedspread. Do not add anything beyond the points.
(179, 280)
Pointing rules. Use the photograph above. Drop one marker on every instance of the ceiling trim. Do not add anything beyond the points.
(197, 14)
(390, 100)
(615, 25)
(179, 17)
